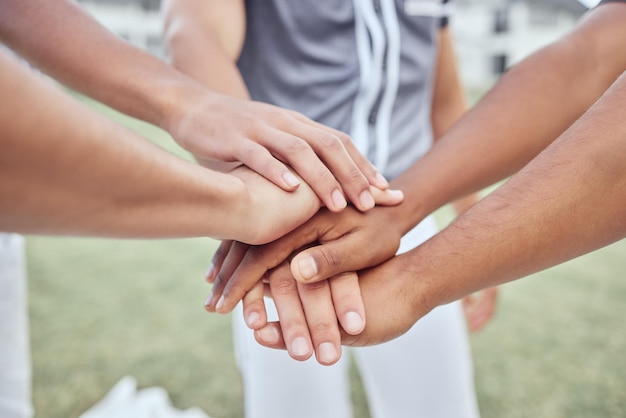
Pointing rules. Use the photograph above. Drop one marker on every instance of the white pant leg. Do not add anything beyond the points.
(426, 372)
(277, 386)
(15, 374)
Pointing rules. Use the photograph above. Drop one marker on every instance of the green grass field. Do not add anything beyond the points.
(102, 309)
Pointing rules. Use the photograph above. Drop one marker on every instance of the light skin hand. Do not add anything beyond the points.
(204, 40)
(269, 212)
(266, 139)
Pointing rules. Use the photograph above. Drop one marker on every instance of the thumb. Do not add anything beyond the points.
(387, 197)
(342, 255)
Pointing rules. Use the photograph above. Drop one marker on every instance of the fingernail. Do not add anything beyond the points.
(353, 322)
(268, 334)
(290, 180)
(252, 319)
(327, 353)
(307, 268)
(396, 193)
(367, 200)
(209, 300)
(209, 273)
(338, 199)
(299, 347)
(381, 180)
(220, 303)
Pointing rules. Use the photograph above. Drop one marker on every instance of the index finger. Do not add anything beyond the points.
(347, 253)
(218, 259)
(331, 150)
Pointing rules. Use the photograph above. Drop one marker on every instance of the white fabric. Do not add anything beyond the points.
(125, 401)
(15, 371)
(425, 373)
(392, 82)
(370, 45)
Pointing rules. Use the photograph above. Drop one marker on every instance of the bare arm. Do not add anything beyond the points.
(65, 42)
(62, 40)
(67, 170)
(565, 203)
(533, 104)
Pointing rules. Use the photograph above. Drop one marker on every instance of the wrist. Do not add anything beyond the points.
(427, 186)
(418, 273)
(177, 100)
(200, 202)
(411, 211)
(234, 202)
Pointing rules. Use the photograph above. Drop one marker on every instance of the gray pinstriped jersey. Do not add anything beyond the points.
(365, 67)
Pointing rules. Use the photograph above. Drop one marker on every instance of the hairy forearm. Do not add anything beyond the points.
(66, 170)
(565, 203)
(531, 105)
(61, 39)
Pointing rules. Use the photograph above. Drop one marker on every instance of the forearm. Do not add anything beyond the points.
(204, 41)
(568, 201)
(66, 170)
(532, 104)
(565, 203)
(64, 41)
(449, 103)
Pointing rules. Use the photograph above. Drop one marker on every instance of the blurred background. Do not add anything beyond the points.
(103, 309)
(490, 35)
